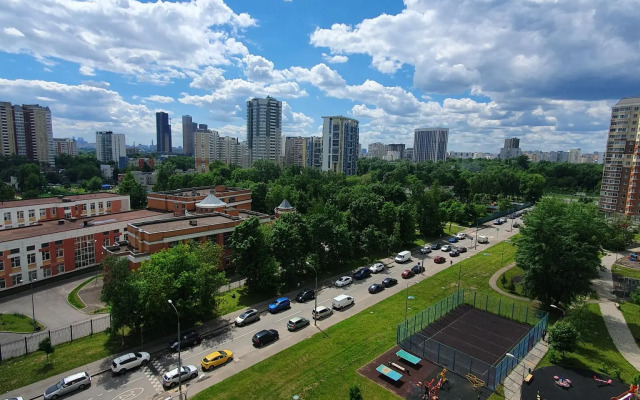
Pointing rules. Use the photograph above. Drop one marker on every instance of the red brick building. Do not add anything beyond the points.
(183, 201)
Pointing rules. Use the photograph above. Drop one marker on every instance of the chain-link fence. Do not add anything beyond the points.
(29, 344)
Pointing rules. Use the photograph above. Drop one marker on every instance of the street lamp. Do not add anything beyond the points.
(406, 305)
(315, 294)
(558, 308)
(179, 360)
(502, 257)
(476, 244)
(33, 306)
(524, 367)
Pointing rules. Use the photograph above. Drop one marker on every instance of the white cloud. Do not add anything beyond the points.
(13, 32)
(335, 59)
(98, 84)
(158, 99)
(88, 71)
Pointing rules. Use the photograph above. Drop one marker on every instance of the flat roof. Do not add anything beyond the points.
(49, 227)
(197, 191)
(182, 222)
(57, 200)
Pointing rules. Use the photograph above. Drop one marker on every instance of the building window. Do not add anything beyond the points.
(58, 242)
(60, 268)
(85, 251)
(106, 242)
(31, 248)
(84, 207)
(7, 217)
(16, 279)
(93, 206)
(15, 251)
(15, 262)
(225, 238)
(59, 252)
(20, 214)
(44, 245)
(33, 275)
(46, 272)
(108, 204)
(54, 211)
(1, 265)
(32, 213)
(100, 205)
(3, 284)
(46, 255)
(43, 213)
(31, 258)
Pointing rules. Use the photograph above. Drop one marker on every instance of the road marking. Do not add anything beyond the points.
(129, 394)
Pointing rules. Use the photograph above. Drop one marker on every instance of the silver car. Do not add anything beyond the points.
(247, 317)
(69, 384)
(171, 378)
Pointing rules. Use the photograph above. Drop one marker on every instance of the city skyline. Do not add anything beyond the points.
(487, 75)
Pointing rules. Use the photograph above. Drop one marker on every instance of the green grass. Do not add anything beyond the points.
(510, 274)
(19, 323)
(626, 272)
(325, 365)
(243, 299)
(73, 297)
(631, 314)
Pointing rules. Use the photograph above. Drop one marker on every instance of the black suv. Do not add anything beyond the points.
(435, 246)
(265, 337)
(417, 269)
(189, 339)
(362, 273)
(306, 295)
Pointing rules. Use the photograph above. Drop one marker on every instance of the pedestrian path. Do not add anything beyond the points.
(513, 383)
(493, 282)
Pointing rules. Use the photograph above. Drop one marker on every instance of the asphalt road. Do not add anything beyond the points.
(145, 383)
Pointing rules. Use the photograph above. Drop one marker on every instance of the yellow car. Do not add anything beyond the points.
(215, 359)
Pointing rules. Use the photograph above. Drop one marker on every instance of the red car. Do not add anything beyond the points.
(437, 260)
(407, 274)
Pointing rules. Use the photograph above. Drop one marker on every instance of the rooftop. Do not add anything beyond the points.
(182, 223)
(57, 200)
(49, 227)
(197, 191)
(629, 100)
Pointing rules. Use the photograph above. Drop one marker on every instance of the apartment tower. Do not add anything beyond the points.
(7, 130)
(430, 144)
(621, 172)
(340, 144)
(188, 135)
(264, 129)
(163, 132)
(110, 146)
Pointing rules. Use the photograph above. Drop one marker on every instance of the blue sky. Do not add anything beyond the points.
(544, 71)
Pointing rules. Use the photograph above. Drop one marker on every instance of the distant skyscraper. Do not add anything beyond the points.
(38, 133)
(110, 147)
(574, 156)
(21, 134)
(340, 145)
(619, 190)
(7, 130)
(65, 146)
(294, 148)
(206, 146)
(264, 129)
(313, 152)
(398, 148)
(377, 150)
(511, 149)
(163, 132)
(188, 133)
(430, 144)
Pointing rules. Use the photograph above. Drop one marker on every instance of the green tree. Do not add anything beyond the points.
(429, 215)
(563, 337)
(532, 187)
(165, 171)
(30, 178)
(559, 250)
(93, 185)
(136, 192)
(330, 237)
(6, 192)
(120, 292)
(251, 256)
(618, 235)
(355, 393)
(46, 346)
(290, 245)
(504, 204)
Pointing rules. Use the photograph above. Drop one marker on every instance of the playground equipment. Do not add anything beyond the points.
(475, 381)
(602, 382)
(431, 388)
(562, 381)
(629, 394)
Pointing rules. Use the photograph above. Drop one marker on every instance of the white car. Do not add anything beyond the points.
(344, 281)
(321, 312)
(461, 236)
(129, 361)
(446, 247)
(171, 378)
(377, 267)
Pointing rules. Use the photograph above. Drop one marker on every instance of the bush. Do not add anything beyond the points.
(554, 356)
(636, 379)
(563, 336)
(635, 295)
(511, 287)
(503, 279)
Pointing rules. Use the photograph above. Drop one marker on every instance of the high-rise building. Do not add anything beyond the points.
(574, 156)
(206, 147)
(7, 130)
(377, 150)
(430, 144)
(65, 146)
(188, 135)
(294, 151)
(202, 127)
(511, 149)
(340, 144)
(110, 147)
(621, 173)
(21, 134)
(229, 151)
(38, 133)
(313, 152)
(399, 148)
(264, 129)
(163, 133)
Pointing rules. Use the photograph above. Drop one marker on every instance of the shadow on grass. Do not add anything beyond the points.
(43, 369)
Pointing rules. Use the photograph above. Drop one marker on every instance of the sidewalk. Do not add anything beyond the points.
(515, 379)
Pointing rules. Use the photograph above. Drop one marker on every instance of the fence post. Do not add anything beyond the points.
(26, 350)
(0, 352)
(91, 320)
(71, 329)
(486, 302)
(49, 334)
(474, 298)
(513, 306)
(526, 315)
(499, 305)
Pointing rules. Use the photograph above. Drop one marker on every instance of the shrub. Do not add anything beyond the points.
(503, 279)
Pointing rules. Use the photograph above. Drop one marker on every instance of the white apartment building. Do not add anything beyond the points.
(340, 144)
(430, 144)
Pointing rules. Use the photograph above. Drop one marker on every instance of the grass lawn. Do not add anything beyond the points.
(73, 297)
(325, 367)
(510, 274)
(624, 271)
(243, 299)
(631, 314)
(17, 323)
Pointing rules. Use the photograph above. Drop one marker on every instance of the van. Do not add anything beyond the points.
(403, 256)
(483, 239)
(342, 301)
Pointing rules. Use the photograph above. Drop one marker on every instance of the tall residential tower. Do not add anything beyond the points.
(430, 144)
(163, 133)
(340, 145)
(264, 129)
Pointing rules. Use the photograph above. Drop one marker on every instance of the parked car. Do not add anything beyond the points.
(407, 273)
(375, 288)
(171, 378)
(503, 220)
(341, 301)
(280, 304)
(483, 239)
(513, 216)
(446, 247)
(497, 221)
(321, 312)
(362, 273)
(127, 362)
(69, 384)
(453, 239)
(435, 246)
(461, 236)
(306, 295)
(454, 253)
(439, 260)
(461, 249)
(388, 282)
(426, 249)
(189, 339)
(216, 359)
(516, 225)
(247, 317)
(377, 267)
(417, 269)
(344, 281)
(296, 323)
(265, 337)
(403, 257)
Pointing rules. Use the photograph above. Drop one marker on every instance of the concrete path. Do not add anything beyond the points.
(90, 296)
(493, 282)
(515, 379)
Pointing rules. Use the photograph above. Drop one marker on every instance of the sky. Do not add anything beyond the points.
(545, 71)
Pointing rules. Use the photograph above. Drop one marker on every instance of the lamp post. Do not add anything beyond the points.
(564, 314)
(406, 305)
(315, 293)
(476, 243)
(524, 367)
(33, 306)
(502, 256)
(179, 360)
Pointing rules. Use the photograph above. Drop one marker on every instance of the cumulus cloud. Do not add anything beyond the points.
(158, 99)
(87, 71)
(335, 58)
(13, 32)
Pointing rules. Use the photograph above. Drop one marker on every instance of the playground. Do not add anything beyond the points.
(557, 383)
